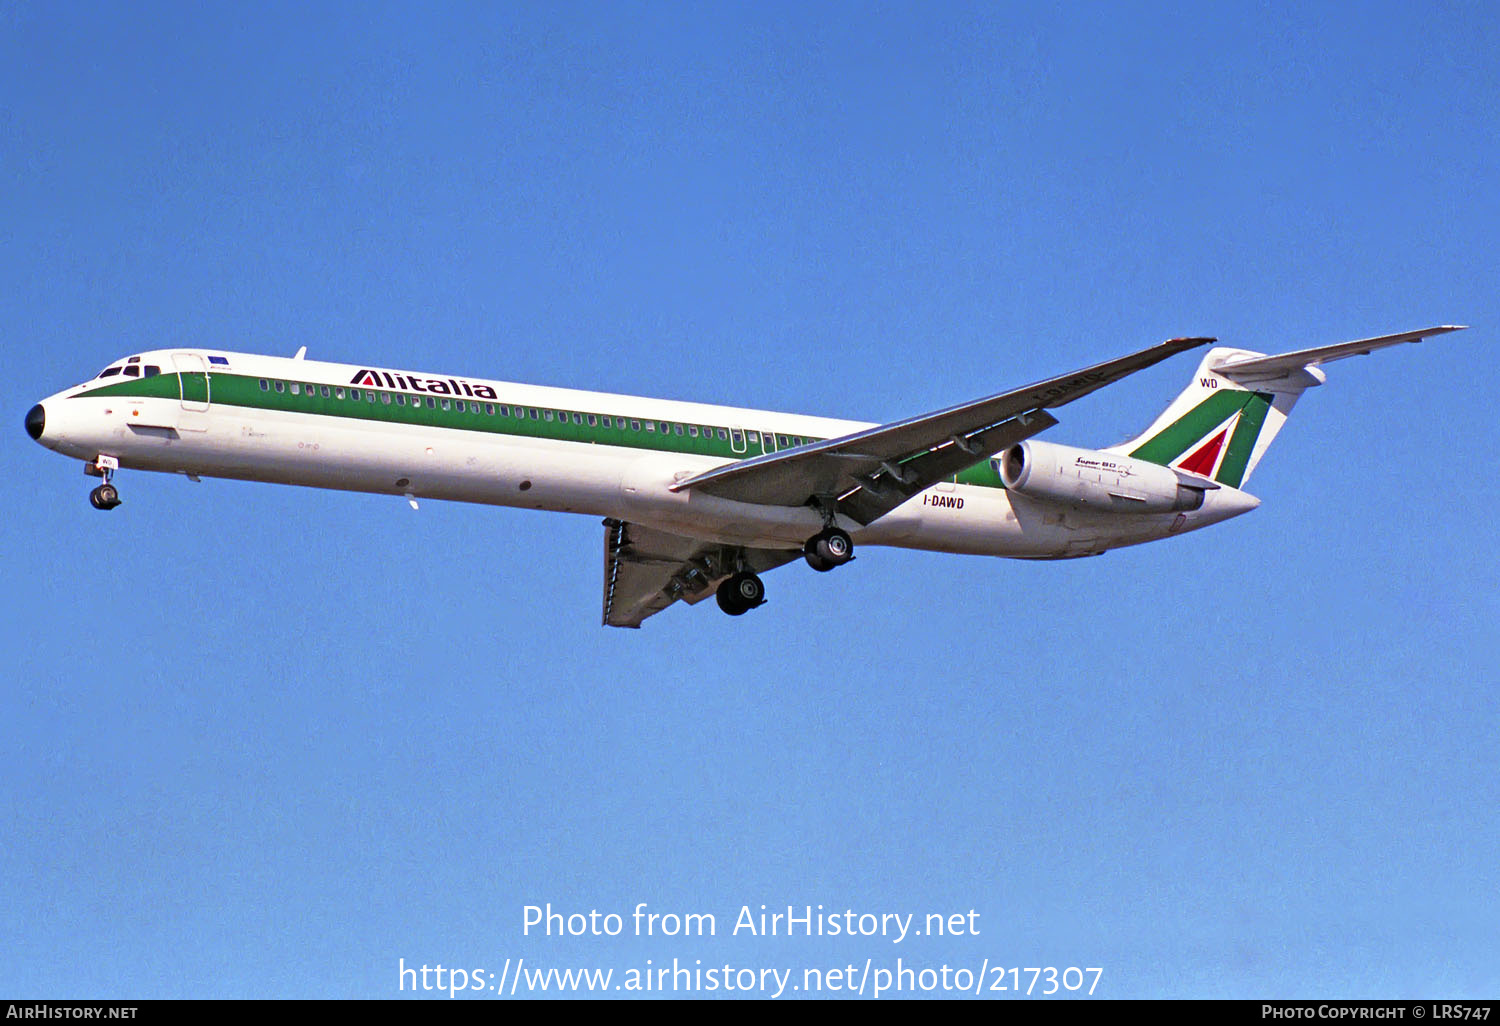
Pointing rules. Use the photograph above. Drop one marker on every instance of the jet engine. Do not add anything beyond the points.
(1096, 480)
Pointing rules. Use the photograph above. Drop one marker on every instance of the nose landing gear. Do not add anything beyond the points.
(106, 496)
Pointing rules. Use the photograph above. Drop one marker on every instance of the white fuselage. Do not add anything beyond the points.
(232, 415)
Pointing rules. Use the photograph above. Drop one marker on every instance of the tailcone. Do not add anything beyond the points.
(1223, 503)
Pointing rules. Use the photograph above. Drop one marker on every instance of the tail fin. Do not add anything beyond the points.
(1238, 401)
(1218, 428)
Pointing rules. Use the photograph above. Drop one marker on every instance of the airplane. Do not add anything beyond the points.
(701, 500)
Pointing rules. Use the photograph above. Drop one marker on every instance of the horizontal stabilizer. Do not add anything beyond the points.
(1244, 367)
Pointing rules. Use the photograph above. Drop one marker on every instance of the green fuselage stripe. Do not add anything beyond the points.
(433, 410)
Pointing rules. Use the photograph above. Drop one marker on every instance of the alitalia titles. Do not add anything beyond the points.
(436, 386)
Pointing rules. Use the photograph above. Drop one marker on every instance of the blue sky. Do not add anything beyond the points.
(260, 741)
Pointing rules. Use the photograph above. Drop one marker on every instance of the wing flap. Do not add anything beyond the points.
(880, 493)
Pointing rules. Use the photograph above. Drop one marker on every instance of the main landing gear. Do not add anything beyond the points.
(740, 593)
(106, 496)
(827, 549)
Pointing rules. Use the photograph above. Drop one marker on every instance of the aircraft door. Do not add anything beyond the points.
(192, 381)
(192, 390)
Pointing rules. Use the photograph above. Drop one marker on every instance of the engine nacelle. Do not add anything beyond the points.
(1095, 480)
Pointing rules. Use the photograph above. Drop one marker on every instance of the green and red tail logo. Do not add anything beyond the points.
(1214, 439)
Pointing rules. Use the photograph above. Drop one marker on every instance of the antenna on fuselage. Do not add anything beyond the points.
(301, 352)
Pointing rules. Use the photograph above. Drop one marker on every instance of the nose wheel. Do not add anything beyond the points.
(106, 496)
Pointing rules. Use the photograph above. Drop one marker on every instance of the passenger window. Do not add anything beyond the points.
(650, 426)
(535, 413)
(354, 394)
(505, 411)
(692, 430)
(723, 435)
(547, 416)
(754, 436)
(662, 427)
(447, 405)
(326, 392)
(459, 406)
(385, 397)
(593, 420)
(265, 386)
(338, 393)
(783, 441)
(607, 422)
(432, 403)
(635, 425)
(489, 409)
(738, 436)
(400, 398)
(296, 388)
(577, 418)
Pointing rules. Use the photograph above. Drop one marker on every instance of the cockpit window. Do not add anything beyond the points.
(109, 372)
(132, 371)
(152, 370)
(134, 359)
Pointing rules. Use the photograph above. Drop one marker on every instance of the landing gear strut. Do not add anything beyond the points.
(740, 593)
(827, 549)
(106, 496)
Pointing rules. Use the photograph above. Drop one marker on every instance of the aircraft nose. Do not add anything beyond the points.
(36, 422)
